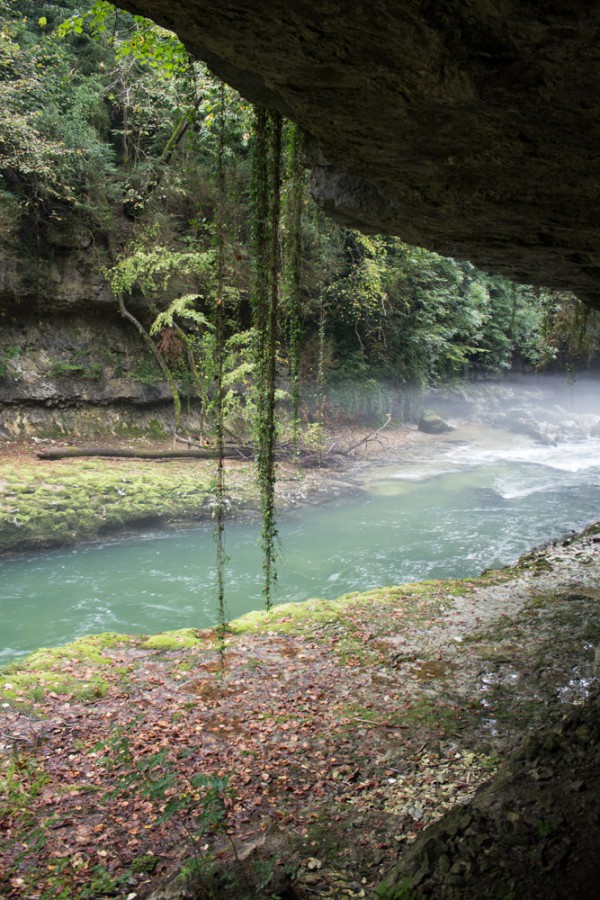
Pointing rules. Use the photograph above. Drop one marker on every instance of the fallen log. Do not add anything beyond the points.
(245, 452)
(200, 453)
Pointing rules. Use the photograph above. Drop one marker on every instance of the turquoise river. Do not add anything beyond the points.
(452, 509)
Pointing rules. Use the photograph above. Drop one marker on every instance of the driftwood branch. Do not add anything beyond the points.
(189, 441)
(372, 436)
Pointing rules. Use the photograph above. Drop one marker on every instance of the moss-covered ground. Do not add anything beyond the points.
(55, 503)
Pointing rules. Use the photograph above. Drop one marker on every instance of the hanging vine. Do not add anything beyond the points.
(265, 301)
(293, 260)
(219, 324)
(321, 372)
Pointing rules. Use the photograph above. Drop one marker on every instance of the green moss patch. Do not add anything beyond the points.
(46, 504)
(288, 618)
(73, 669)
(291, 618)
(176, 640)
(350, 625)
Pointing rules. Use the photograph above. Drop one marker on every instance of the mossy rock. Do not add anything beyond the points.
(431, 423)
(45, 504)
(175, 640)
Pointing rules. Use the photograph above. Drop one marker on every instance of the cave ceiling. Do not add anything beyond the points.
(470, 128)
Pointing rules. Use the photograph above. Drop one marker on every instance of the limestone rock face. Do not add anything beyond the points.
(61, 278)
(468, 127)
(78, 374)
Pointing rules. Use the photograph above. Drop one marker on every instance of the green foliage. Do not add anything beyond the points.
(411, 317)
(570, 332)
(146, 42)
(239, 395)
(53, 152)
(104, 111)
(150, 268)
(181, 308)
(94, 106)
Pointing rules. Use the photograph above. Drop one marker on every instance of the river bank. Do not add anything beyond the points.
(46, 504)
(306, 757)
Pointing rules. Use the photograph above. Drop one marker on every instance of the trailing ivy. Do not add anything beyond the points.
(266, 185)
(219, 323)
(321, 368)
(293, 262)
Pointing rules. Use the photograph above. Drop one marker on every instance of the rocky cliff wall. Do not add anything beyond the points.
(69, 364)
(82, 374)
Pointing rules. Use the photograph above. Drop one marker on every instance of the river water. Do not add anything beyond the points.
(449, 508)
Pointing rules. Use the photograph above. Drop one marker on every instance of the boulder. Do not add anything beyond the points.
(431, 423)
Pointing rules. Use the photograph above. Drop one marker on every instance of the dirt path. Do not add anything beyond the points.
(304, 761)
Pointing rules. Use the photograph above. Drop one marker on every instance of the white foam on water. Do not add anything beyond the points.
(510, 492)
(424, 472)
(571, 456)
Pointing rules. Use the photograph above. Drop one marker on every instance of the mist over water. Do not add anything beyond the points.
(450, 507)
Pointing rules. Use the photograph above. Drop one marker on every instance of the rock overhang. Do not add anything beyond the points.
(470, 128)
